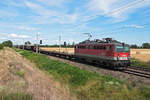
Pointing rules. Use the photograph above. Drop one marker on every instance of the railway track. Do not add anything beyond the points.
(138, 71)
(140, 68)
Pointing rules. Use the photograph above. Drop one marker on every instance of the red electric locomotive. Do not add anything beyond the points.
(107, 52)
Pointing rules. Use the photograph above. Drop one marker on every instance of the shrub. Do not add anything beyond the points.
(145, 91)
(8, 43)
(136, 62)
(1, 46)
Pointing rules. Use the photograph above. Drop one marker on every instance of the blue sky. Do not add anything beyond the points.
(124, 20)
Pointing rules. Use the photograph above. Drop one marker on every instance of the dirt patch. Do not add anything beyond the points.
(19, 75)
(130, 79)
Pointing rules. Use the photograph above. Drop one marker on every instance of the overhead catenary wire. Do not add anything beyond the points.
(112, 12)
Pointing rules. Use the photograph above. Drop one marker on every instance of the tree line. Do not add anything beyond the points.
(144, 45)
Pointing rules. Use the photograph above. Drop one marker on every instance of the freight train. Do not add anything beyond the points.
(106, 52)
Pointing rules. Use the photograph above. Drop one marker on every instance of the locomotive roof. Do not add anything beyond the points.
(97, 41)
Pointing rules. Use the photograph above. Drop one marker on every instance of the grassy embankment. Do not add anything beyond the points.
(136, 62)
(87, 85)
(4, 95)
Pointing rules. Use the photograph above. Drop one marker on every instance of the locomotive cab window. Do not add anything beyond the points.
(122, 48)
(126, 49)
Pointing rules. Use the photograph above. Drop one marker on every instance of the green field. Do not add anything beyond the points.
(87, 85)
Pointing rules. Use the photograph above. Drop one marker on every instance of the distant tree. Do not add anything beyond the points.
(73, 43)
(28, 43)
(68, 44)
(47, 45)
(65, 44)
(146, 45)
(134, 46)
(1, 46)
(8, 43)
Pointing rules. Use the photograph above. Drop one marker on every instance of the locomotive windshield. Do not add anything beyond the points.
(122, 48)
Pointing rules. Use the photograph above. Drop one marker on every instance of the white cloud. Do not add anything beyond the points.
(42, 10)
(36, 8)
(14, 3)
(134, 26)
(48, 16)
(27, 28)
(53, 2)
(3, 38)
(13, 35)
(6, 13)
(23, 36)
(102, 6)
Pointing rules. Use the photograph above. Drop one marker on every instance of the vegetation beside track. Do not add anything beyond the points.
(138, 63)
(87, 85)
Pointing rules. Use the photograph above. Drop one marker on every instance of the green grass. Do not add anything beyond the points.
(17, 72)
(15, 96)
(20, 73)
(145, 92)
(136, 62)
(87, 85)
